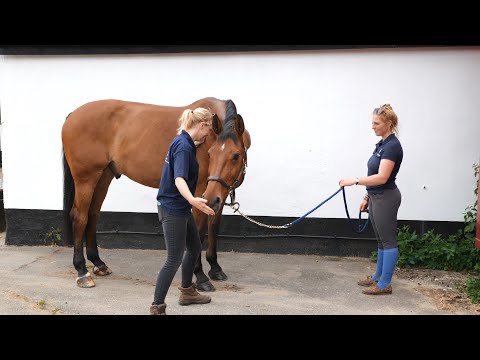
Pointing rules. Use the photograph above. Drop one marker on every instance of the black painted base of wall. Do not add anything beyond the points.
(3, 224)
(332, 237)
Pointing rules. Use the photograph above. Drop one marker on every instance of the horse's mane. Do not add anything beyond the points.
(229, 124)
(230, 111)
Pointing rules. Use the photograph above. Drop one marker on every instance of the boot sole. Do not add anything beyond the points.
(365, 292)
(377, 294)
(193, 303)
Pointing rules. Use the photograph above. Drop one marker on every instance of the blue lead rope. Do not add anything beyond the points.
(315, 208)
(360, 227)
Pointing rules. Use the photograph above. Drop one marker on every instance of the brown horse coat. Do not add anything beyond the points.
(110, 138)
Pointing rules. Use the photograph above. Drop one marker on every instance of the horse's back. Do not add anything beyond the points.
(99, 111)
(134, 136)
(117, 117)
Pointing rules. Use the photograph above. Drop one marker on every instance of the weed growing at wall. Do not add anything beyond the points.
(473, 289)
(53, 237)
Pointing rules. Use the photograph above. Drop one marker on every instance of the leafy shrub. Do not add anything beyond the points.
(473, 289)
(457, 252)
(53, 237)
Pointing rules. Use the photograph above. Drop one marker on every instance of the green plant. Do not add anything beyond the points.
(42, 304)
(470, 214)
(54, 236)
(432, 250)
(408, 247)
(473, 289)
(457, 252)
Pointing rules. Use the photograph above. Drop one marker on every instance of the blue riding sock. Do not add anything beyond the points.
(390, 257)
(378, 271)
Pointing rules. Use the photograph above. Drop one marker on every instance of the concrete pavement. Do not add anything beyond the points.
(41, 280)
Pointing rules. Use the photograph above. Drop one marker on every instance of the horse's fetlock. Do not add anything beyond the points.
(92, 256)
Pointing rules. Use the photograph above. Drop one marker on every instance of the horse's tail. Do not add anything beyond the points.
(68, 197)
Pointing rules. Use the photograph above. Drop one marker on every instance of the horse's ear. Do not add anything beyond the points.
(239, 126)
(216, 124)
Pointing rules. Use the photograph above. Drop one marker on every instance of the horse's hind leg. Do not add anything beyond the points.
(79, 214)
(99, 195)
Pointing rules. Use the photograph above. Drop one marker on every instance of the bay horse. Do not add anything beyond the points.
(109, 138)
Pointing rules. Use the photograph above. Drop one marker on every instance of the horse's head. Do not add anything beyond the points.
(227, 160)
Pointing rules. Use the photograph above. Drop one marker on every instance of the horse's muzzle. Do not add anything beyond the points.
(215, 204)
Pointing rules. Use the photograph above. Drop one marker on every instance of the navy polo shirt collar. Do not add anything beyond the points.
(188, 137)
(382, 142)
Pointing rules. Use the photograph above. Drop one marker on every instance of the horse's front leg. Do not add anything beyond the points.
(100, 268)
(203, 282)
(216, 272)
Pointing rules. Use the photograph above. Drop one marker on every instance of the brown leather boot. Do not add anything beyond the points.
(367, 282)
(190, 295)
(375, 290)
(158, 309)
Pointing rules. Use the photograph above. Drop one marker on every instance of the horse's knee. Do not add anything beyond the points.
(76, 215)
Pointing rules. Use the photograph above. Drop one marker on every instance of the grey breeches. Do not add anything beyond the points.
(180, 233)
(383, 210)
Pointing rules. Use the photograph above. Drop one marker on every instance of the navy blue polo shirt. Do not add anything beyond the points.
(390, 149)
(181, 161)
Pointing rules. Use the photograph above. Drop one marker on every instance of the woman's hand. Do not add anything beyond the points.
(347, 182)
(201, 204)
(364, 206)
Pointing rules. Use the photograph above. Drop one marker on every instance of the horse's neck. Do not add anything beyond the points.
(213, 104)
(208, 142)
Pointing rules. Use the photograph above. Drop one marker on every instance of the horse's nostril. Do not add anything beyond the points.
(215, 203)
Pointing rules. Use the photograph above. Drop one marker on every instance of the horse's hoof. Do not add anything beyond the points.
(218, 276)
(85, 281)
(205, 286)
(102, 270)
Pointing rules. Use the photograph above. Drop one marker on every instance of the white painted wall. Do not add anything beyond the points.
(309, 115)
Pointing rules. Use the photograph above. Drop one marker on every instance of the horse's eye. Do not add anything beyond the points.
(236, 156)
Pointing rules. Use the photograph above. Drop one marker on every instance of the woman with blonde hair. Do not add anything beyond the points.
(383, 198)
(174, 201)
